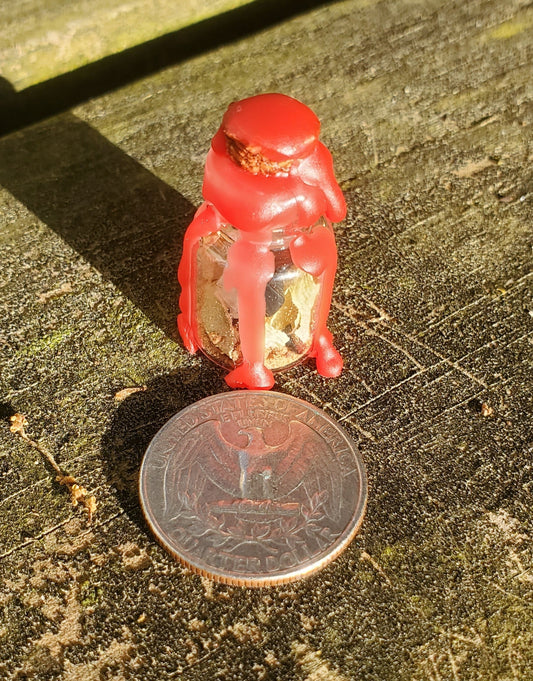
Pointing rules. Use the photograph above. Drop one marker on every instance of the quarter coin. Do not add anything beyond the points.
(253, 488)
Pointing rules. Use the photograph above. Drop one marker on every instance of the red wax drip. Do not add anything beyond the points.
(250, 268)
(206, 221)
(281, 128)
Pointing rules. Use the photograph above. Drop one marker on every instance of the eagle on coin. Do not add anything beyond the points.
(249, 483)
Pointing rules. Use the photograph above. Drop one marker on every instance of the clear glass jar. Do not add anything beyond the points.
(291, 301)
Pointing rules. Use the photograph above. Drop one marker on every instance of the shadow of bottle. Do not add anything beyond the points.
(138, 418)
(118, 215)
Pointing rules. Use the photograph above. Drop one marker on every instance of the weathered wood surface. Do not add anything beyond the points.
(40, 40)
(427, 109)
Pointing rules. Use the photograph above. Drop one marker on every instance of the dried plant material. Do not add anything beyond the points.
(216, 320)
(291, 298)
(90, 506)
(474, 167)
(279, 357)
(18, 421)
(253, 161)
(123, 394)
(305, 296)
(216, 307)
(285, 317)
(55, 293)
(78, 494)
(293, 322)
(274, 338)
(486, 410)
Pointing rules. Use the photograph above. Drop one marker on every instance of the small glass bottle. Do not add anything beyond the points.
(258, 260)
(292, 298)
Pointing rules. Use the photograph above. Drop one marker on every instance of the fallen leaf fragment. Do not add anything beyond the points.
(126, 392)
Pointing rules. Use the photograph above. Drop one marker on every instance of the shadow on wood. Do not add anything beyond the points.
(65, 91)
(124, 220)
(138, 419)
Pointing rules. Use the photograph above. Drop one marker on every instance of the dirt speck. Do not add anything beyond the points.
(70, 629)
(62, 290)
(271, 659)
(509, 527)
(74, 544)
(48, 570)
(311, 662)
(486, 409)
(113, 659)
(473, 167)
(51, 607)
(245, 632)
(134, 557)
(197, 625)
(209, 588)
(308, 623)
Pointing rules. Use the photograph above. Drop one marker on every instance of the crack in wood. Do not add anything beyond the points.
(422, 425)
(517, 285)
(50, 530)
(37, 483)
(373, 332)
(446, 360)
(382, 394)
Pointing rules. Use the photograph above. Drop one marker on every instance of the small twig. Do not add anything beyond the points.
(377, 567)
(78, 494)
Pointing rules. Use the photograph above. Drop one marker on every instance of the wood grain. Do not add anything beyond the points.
(41, 40)
(427, 109)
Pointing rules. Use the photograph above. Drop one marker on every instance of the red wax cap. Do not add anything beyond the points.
(276, 126)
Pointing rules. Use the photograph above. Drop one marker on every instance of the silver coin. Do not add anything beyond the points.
(253, 488)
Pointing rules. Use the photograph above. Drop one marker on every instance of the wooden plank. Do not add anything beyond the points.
(427, 110)
(41, 40)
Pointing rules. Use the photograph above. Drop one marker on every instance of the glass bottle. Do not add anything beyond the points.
(292, 297)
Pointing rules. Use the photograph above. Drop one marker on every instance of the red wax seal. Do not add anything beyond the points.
(266, 171)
